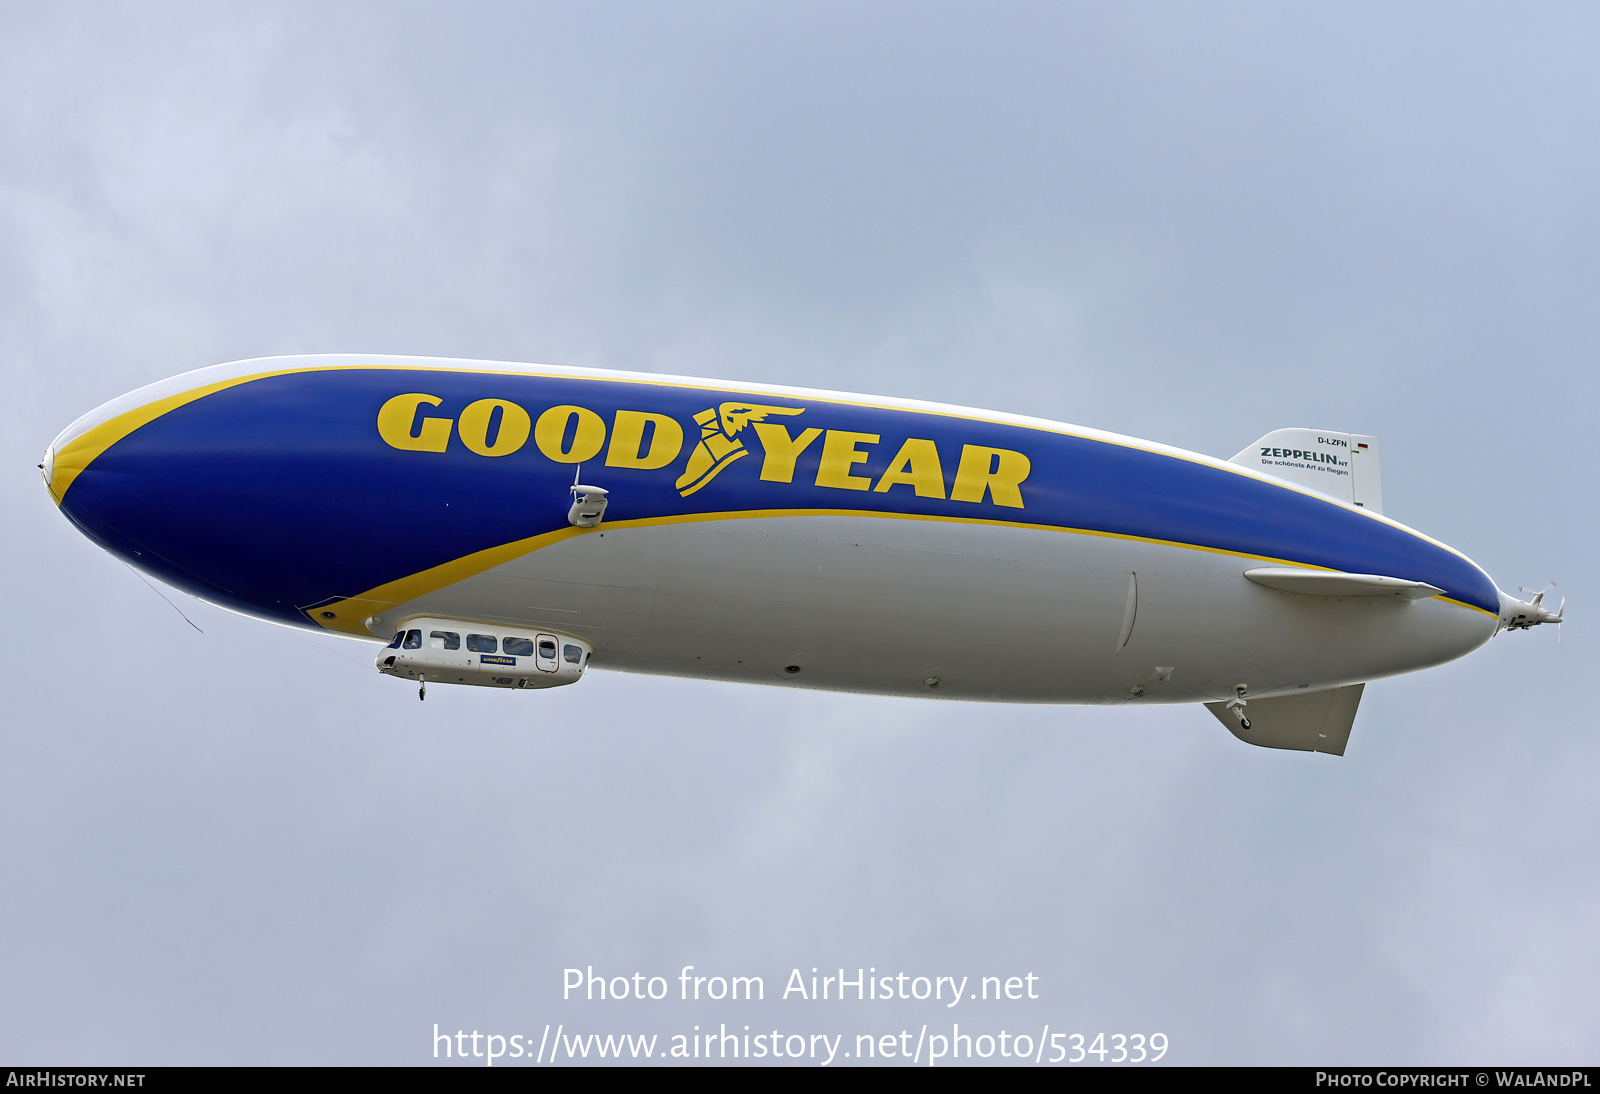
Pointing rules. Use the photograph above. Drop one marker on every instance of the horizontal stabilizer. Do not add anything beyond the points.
(1318, 721)
(1340, 465)
(1333, 583)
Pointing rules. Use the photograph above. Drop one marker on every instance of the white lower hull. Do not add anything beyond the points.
(989, 612)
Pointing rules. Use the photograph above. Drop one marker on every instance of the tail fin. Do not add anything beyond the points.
(1314, 721)
(1342, 465)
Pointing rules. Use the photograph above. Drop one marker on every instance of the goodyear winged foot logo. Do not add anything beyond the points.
(718, 448)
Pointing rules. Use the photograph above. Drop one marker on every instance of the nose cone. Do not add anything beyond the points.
(267, 487)
(155, 477)
(121, 483)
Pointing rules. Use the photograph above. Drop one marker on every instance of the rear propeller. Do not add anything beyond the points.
(1522, 615)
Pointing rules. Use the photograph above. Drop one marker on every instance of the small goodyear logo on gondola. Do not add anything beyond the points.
(645, 441)
(494, 659)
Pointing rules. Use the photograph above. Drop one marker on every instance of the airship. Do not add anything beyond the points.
(511, 526)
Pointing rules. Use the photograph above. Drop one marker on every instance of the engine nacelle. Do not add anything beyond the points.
(449, 651)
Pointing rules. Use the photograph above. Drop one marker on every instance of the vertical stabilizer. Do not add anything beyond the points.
(1341, 465)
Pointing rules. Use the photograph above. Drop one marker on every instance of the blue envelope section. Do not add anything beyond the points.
(280, 494)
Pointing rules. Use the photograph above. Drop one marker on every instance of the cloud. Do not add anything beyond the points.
(244, 846)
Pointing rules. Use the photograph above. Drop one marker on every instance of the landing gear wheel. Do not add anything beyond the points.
(1236, 706)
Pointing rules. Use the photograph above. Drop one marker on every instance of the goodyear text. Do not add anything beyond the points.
(719, 436)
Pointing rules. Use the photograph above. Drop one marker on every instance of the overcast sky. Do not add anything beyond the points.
(1191, 223)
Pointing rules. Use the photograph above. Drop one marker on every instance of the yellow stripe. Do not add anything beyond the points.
(81, 451)
(349, 614)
